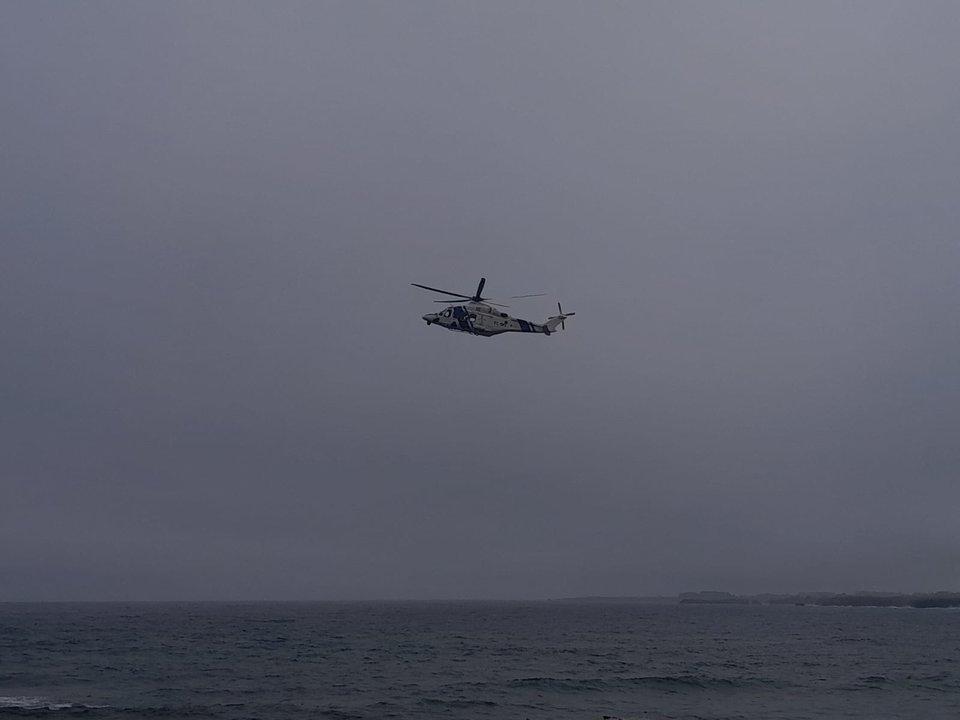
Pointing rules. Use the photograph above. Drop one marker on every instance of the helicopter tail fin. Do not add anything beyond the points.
(557, 320)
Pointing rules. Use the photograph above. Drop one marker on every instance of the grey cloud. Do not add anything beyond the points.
(216, 384)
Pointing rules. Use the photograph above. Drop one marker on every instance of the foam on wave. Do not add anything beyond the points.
(27, 702)
(14, 703)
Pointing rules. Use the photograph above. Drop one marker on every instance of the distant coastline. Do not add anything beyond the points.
(940, 599)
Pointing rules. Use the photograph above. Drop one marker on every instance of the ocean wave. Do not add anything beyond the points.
(29, 705)
(942, 682)
(457, 702)
(669, 683)
(27, 702)
(339, 714)
(39, 707)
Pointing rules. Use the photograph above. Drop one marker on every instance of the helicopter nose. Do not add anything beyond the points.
(430, 318)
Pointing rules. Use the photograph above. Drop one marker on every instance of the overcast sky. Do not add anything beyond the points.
(214, 378)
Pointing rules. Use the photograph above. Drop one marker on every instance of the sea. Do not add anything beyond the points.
(497, 660)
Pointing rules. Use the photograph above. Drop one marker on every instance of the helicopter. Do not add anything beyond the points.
(476, 315)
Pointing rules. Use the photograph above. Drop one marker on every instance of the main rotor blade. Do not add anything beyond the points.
(470, 300)
(512, 297)
(445, 292)
(466, 301)
(483, 281)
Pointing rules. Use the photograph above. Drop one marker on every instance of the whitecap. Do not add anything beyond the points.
(26, 702)
(31, 702)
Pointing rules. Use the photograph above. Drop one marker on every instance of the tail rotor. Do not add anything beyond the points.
(556, 321)
(563, 317)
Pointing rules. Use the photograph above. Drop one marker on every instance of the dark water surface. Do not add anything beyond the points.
(476, 660)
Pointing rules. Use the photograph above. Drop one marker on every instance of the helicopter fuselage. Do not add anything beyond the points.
(481, 319)
(473, 315)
